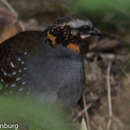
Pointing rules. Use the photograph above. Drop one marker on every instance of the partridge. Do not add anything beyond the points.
(48, 63)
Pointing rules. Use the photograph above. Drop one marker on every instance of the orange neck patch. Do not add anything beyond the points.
(52, 38)
(74, 47)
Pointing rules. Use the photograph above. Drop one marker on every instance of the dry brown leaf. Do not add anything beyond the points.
(9, 25)
(9, 31)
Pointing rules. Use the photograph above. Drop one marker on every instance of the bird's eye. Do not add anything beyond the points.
(84, 28)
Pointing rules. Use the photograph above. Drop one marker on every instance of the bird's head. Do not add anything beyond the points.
(72, 33)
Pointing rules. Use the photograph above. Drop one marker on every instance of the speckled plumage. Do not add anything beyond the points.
(13, 54)
(34, 66)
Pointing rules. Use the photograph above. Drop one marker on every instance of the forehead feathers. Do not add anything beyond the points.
(77, 23)
(74, 23)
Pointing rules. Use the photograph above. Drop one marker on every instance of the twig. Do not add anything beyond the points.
(109, 96)
(21, 25)
(82, 112)
(86, 112)
(7, 4)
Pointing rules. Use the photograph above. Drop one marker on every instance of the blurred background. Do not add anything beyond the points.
(112, 18)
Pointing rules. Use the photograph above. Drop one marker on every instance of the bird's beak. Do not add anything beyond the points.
(85, 36)
(93, 32)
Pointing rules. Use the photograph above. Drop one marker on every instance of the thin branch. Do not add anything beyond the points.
(109, 89)
(86, 112)
(82, 112)
(109, 95)
(6, 3)
(21, 25)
